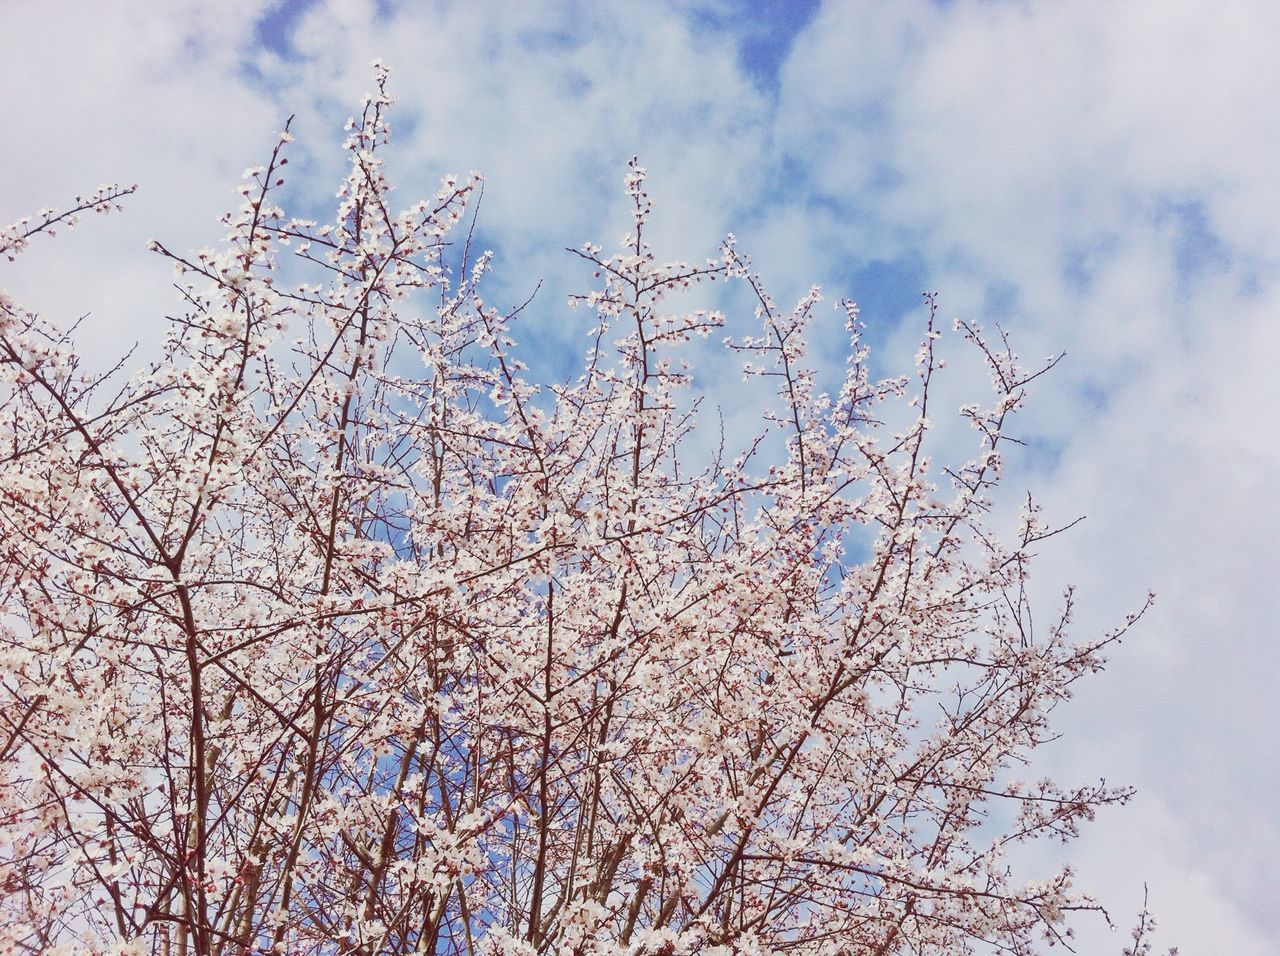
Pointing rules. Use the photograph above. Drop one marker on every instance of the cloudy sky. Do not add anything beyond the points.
(1099, 178)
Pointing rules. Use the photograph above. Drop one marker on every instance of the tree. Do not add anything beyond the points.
(329, 632)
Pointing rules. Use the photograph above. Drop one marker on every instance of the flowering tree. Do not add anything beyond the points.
(331, 633)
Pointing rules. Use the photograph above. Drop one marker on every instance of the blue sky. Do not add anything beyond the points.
(1097, 177)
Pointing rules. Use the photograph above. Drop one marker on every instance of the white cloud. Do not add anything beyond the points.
(1147, 842)
(130, 93)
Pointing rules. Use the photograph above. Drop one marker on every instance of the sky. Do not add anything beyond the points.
(1097, 178)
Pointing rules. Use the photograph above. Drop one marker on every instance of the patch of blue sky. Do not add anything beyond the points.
(1197, 249)
(765, 30)
(1038, 454)
(1080, 263)
(554, 39)
(274, 31)
(1001, 301)
(858, 542)
(888, 291)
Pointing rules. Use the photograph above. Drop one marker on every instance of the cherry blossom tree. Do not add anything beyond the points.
(331, 632)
